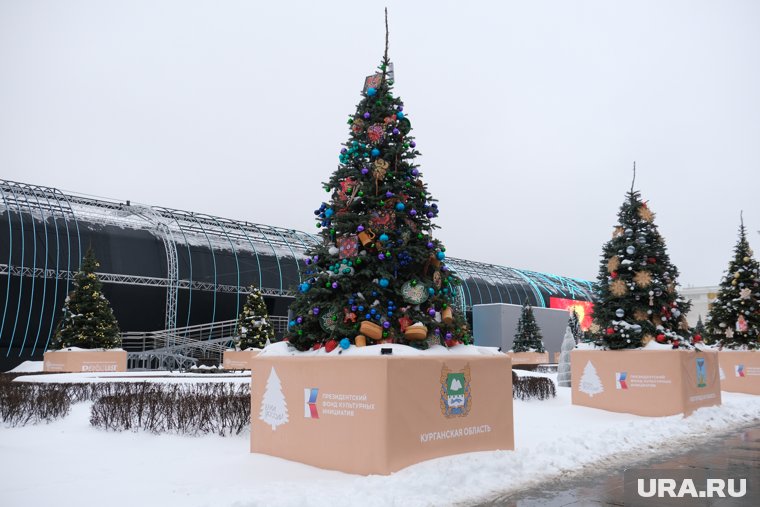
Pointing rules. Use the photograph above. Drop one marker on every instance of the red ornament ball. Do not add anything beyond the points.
(614, 275)
(652, 260)
(697, 338)
(330, 346)
(317, 346)
(660, 338)
(610, 330)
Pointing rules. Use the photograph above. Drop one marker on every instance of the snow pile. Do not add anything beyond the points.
(28, 367)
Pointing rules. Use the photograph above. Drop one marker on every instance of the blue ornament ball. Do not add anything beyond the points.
(304, 287)
(329, 212)
(440, 256)
(371, 92)
(375, 152)
(400, 206)
(345, 343)
(383, 237)
(400, 115)
(431, 291)
(383, 282)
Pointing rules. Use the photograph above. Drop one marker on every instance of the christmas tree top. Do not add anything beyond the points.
(734, 320)
(379, 275)
(637, 299)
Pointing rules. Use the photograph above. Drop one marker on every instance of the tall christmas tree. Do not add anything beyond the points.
(637, 300)
(379, 274)
(734, 320)
(88, 321)
(254, 327)
(528, 337)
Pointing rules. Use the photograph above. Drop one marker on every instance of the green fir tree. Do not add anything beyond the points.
(528, 337)
(88, 321)
(637, 299)
(254, 328)
(734, 320)
(701, 331)
(379, 274)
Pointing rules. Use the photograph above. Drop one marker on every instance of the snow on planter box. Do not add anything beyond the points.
(76, 360)
(645, 382)
(529, 357)
(740, 371)
(238, 359)
(367, 412)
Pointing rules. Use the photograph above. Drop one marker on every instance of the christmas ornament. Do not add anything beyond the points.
(366, 237)
(329, 320)
(358, 126)
(348, 246)
(404, 322)
(745, 293)
(617, 231)
(660, 338)
(729, 333)
(646, 339)
(741, 324)
(643, 279)
(416, 331)
(437, 280)
(371, 330)
(380, 167)
(619, 313)
(375, 134)
(414, 293)
(360, 340)
(630, 250)
(645, 213)
(640, 315)
(613, 264)
(348, 316)
(618, 288)
(330, 346)
(447, 316)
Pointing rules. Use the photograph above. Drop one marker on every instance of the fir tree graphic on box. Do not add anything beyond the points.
(590, 382)
(274, 409)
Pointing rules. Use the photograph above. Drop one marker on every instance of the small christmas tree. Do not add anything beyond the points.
(575, 327)
(254, 327)
(379, 275)
(563, 369)
(700, 331)
(88, 321)
(590, 383)
(528, 337)
(274, 408)
(734, 321)
(637, 300)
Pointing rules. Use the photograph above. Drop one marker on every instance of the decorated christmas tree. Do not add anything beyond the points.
(379, 275)
(734, 320)
(700, 331)
(254, 327)
(528, 337)
(637, 300)
(575, 327)
(88, 321)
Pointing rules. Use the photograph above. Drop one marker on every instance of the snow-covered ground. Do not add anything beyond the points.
(68, 462)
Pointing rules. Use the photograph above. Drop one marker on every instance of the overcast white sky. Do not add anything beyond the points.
(528, 114)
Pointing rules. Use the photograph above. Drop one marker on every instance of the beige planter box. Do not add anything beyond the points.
(740, 371)
(377, 415)
(645, 382)
(77, 361)
(238, 359)
(529, 357)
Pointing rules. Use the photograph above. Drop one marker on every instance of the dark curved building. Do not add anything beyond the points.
(172, 269)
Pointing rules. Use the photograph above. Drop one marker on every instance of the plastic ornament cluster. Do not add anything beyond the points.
(379, 273)
(637, 300)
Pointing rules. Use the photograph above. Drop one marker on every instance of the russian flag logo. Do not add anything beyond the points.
(310, 403)
(620, 378)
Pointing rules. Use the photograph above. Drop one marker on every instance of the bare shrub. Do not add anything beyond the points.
(527, 388)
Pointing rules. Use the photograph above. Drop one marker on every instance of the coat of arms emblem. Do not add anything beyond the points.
(456, 395)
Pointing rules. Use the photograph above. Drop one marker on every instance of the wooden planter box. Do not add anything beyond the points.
(379, 414)
(238, 359)
(645, 382)
(78, 361)
(529, 357)
(740, 371)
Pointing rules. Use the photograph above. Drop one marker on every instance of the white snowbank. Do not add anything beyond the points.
(28, 367)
